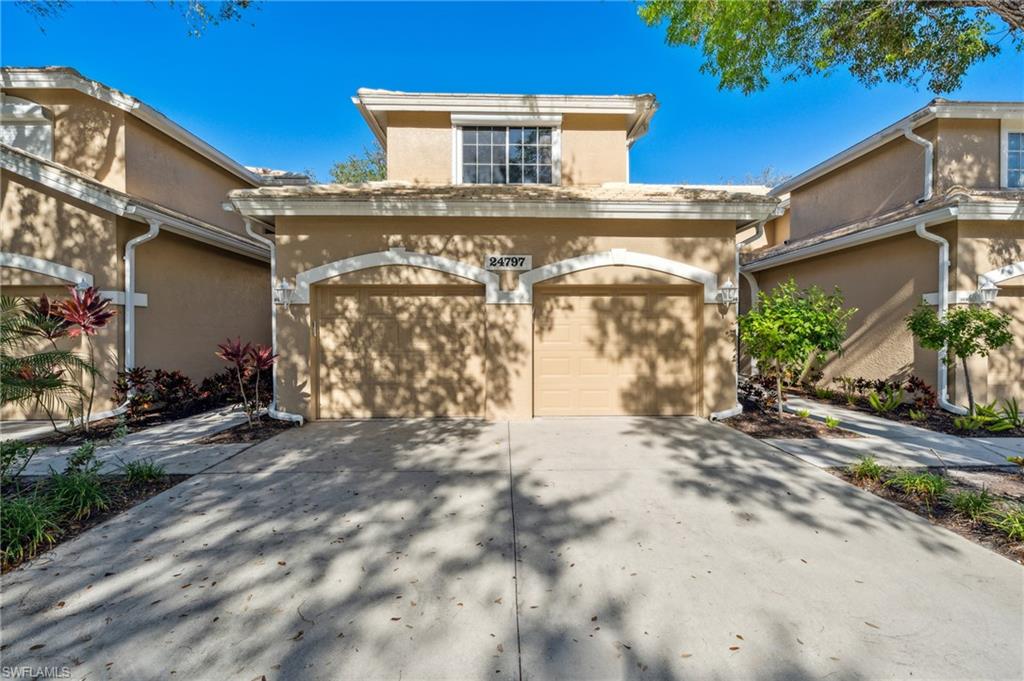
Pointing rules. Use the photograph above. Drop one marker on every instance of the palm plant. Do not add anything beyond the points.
(29, 375)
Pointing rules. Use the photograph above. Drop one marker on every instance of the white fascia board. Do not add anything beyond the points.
(63, 80)
(856, 239)
(649, 210)
(991, 210)
(506, 119)
(994, 110)
(64, 183)
(215, 237)
(523, 104)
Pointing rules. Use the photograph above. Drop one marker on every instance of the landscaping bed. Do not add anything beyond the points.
(985, 506)
(761, 424)
(264, 430)
(42, 512)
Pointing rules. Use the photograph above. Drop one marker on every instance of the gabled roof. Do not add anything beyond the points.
(83, 188)
(66, 78)
(937, 108)
(613, 200)
(374, 106)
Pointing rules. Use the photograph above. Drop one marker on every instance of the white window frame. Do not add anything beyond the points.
(1006, 126)
(459, 121)
(29, 125)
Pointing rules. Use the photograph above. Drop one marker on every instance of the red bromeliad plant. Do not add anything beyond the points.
(47, 321)
(85, 313)
(234, 352)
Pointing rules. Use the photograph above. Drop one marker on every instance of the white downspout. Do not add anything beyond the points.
(738, 408)
(929, 151)
(272, 411)
(129, 291)
(942, 380)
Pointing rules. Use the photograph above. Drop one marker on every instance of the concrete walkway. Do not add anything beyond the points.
(891, 442)
(591, 549)
(169, 444)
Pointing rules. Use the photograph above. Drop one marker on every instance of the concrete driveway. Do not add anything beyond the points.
(556, 549)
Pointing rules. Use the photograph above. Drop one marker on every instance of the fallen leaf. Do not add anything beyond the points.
(739, 637)
(686, 655)
(501, 648)
(734, 647)
(298, 636)
(395, 619)
(281, 562)
(873, 626)
(38, 646)
(594, 618)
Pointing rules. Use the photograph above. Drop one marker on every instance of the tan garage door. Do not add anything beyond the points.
(616, 351)
(400, 351)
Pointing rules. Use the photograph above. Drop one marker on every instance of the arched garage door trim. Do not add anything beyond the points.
(394, 256)
(997, 276)
(47, 267)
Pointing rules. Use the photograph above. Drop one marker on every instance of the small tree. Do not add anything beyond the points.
(371, 166)
(965, 332)
(789, 325)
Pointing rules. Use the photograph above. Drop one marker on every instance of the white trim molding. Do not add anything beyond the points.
(119, 298)
(523, 293)
(1001, 274)
(393, 256)
(45, 267)
(955, 298)
(1006, 126)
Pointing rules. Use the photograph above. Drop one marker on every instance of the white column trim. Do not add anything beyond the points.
(47, 267)
(394, 256)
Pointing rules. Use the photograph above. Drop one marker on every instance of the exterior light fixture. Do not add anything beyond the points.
(284, 293)
(987, 293)
(729, 293)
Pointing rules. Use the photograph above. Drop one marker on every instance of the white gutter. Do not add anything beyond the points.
(929, 151)
(129, 291)
(272, 410)
(737, 408)
(942, 380)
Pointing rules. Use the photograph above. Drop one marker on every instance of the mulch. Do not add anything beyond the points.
(940, 513)
(121, 497)
(761, 424)
(264, 430)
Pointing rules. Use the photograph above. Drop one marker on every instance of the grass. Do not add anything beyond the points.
(804, 413)
(831, 422)
(78, 494)
(29, 523)
(925, 486)
(974, 506)
(1011, 523)
(867, 468)
(143, 471)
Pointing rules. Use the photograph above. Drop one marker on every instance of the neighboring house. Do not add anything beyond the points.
(90, 176)
(505, 269)
(872, 220)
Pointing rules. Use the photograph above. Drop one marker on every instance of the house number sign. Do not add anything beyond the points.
(509, 262)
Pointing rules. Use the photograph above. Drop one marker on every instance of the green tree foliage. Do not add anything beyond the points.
(965, 332)
(199, 15)
(371, 166)
(790, 325)
(898, 41)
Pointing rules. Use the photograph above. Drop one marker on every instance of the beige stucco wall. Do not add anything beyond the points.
(304, 243)
(967, 154)
(419, 148)
(885, 281)
(167, 172)
(983, 247)
(198, 297)
(886, 178)
(88, 135)
(46, 225)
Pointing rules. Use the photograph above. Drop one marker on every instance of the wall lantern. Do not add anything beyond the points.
(284, 293)
(987, 293)
(729, 293)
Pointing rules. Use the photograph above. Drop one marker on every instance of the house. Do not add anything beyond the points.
(98, 188)
(881, 219)
(506, 268)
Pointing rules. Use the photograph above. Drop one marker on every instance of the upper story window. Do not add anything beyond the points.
(1011, 169)
(26, 125)
(508, 155)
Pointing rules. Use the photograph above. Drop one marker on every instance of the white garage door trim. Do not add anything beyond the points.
(523, 294)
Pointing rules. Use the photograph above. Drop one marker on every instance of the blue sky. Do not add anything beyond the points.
(274, 90)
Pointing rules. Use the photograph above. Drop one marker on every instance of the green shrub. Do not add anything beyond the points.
(77, 494)
(1011, 523)
(1010, 412)
(804, 413)
(26, 525)
(831, 422)
(14, 456)
(883, 405)
(867, 468)
(967, 422)
(926, 486)
(972, 505)
(83, 459)
(824, 393)
(918, 415)
(142, 472)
